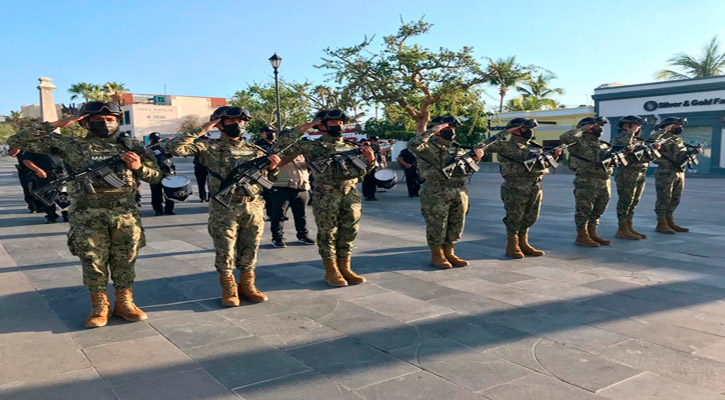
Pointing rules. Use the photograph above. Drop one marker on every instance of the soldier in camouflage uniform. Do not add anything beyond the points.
(521, 190)
(443, 201)
(670, 176)
(631, 178)
(337, 207)
(235, 230)
(592, 186)
(105, 227)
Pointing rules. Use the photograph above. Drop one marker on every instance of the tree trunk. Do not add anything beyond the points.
(502, 93)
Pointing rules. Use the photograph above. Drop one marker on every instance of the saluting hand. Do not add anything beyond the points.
(274, 161)
(132, 160)
(440, 127)
(210, 125)
(478, 154)
(62, 123)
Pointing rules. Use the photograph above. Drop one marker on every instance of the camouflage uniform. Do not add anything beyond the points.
(443, 202)
(521, 190)
(592, 187)
(105, 227)
(630, 179)
(669, 177)
(337, 207)
(235, 230)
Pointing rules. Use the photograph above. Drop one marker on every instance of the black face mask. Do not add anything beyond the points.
(527, 134)
(677, 130)
(271, 136)
(103, 129)
(597, 132)
(448, 134)
(232, 130)
(334, 130)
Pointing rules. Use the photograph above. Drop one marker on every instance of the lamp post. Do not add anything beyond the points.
(275, 61)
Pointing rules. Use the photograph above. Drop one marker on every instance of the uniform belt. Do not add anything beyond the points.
(109, 201)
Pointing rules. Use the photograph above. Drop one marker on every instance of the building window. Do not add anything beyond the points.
(127, 117)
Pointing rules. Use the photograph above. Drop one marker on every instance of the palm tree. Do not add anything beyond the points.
(525, 103)
(505, 73)
(88, 91)
(711, 63)
(114, 89)
(538, 88)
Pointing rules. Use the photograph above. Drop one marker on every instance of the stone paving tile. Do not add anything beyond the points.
(669, 363)
(467, 303)
(418, 385)
(352, 292)
(288, 330)
(158, 312)
(667, 335)
(650, 386)
(80, 384)
(499, 292)
(191, 385)
(714, 352)
(136, 359)
(462, 365)
(401, 307)
(300, 386)
(198, 329)
(506, 277)
(538, 387)
(351, 363)
(37, 360)
(244, 361)
(115, 331)
(418, 289)
(323, 307)
(19, 329)
(380, 331)
(471, 331)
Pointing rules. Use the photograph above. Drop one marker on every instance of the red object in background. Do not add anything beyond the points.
(218, 101)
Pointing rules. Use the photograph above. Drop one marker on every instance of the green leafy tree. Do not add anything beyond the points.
(6, 130)
(18, 122)
(189, 123)
(402, 74)
(260, 100)
(710, 63)
(93, 92)
(537, 91)
(114, 90)
(506, 73)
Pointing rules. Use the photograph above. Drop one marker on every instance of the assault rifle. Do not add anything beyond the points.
(244, 176)
(341, 159)
(691, 160)
(616, 158)
(465, 163)
(105, 170)
(645, 149)
(545, 158)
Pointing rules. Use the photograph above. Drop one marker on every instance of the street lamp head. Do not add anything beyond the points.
(275, 61)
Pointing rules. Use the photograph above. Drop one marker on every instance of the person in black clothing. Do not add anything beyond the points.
(267, 137)
(166, 163)
(201, 172)
(25, 176)
(409, 162)
(45, 169)
(370, 184)
(137, 195)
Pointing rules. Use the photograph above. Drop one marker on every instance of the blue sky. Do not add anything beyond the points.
(215, 48)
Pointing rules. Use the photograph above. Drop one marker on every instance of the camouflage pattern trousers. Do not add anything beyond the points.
(444, 209)
(630, 186)
(591, 196)
(106, 238)
(236, 232)
(669, 185)
(522, 202)
(337, 215)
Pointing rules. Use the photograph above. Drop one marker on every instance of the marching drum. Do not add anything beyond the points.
(386, 178)
(176, 187)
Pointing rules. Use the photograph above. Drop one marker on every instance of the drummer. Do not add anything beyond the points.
(369, 185)
(166, 163)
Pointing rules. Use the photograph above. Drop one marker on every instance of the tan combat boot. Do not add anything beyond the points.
(592, 229)
(248, 290)
(513, 248)
(450, 255)
(527, 249)
(623, 232)
(583, 239)
(230, 298)
(99, 311)
(343, 264)
(663, 226)
(673, 225)
(125, 308)
(631, 229)
(332, 274)
(438, 259)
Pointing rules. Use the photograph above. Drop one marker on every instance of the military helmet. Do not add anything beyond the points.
(268, 129)
(672, 120)
(519, 122)
(100, 108)
(155, 136)
(125, 134)
(231, 112)
(444, 119)
(591, 121)
(631, 119)
(334, 115)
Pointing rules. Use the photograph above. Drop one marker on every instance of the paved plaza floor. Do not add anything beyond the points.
(635, 320)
